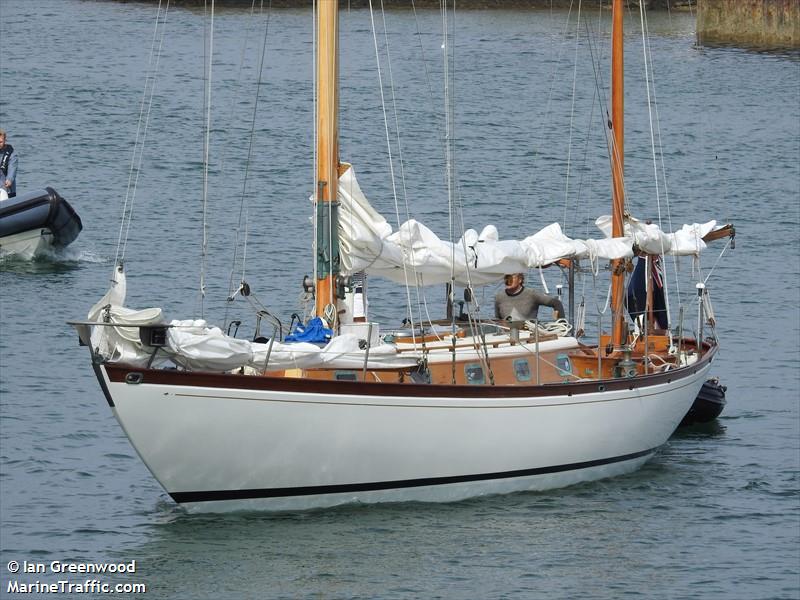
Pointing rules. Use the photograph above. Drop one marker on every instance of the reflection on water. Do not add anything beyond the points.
(711, 429)
(36, 266)
(776, 51)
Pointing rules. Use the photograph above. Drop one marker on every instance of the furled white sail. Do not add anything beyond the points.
(650, 239)
(195, 345)
(416, 255)
(114, 341)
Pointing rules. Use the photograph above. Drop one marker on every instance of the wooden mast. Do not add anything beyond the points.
(327, 153)
(617, 169)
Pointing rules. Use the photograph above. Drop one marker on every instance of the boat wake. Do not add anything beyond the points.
(50, 260)
(71, 254)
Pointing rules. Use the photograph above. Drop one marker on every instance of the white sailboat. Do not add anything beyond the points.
(446, 412)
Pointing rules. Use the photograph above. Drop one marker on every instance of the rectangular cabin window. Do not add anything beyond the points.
(346, 376)
(474, 374)
(522, 370)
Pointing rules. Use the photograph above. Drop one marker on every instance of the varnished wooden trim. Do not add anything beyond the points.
(117, 372)
(727, 230)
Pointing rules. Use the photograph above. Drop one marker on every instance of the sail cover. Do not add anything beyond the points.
(415, 255)
(194, 344)
(650, 239)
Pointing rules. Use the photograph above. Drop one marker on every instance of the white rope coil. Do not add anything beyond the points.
(559, 327)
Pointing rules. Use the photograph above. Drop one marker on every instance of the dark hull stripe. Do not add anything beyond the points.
(220, 495)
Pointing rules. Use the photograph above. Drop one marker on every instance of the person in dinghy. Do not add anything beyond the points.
(8, 168)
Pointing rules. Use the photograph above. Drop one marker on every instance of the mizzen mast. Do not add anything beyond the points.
(327, 175)
(617, 169)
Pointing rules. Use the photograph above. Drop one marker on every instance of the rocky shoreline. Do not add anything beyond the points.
(424, 4)
(754, 23)
(750, 23)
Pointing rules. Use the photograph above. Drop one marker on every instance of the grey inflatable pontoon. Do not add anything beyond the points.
(42, 212)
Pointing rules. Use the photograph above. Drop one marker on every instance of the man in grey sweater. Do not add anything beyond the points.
(518, 303)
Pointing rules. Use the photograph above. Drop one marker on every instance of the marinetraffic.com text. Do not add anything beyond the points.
(68, 586)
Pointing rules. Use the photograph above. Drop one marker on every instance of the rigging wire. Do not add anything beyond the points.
(245, 181)
(714, 266)
(599, 83)
(143, 123)
(238, 83)
(243, 207)
(584, 162)
(425, 63)
(572, 110)
(421, 298)
(646, 51)
(455, 206)
(209, 60)
(449, 175)
(389, 148)
(448, 128)
(420, 290)
(545, 120)
(443, 137)
(597, 99)
(401, 162)
(663, 166)
(599, 88)
(649, 264)
(596, 96)
(659, 140)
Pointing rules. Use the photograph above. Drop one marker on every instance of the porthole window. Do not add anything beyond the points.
(345, 376)
(474, 374)
(522, 369)
(564, 365)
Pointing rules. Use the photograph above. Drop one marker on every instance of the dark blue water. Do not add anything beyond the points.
(715, 515)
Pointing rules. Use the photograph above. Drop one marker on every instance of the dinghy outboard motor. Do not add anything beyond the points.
(708, 405)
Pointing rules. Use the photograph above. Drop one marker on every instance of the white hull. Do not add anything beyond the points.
(27, 244)
(214, 447)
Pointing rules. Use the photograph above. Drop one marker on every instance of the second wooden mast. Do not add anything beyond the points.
(617, 170)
